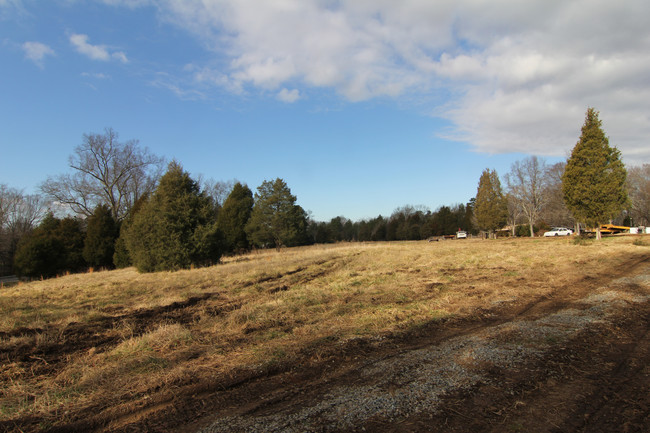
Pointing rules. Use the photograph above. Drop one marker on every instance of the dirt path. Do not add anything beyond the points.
(578, 361)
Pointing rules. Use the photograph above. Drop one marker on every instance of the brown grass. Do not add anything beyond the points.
(105, 339)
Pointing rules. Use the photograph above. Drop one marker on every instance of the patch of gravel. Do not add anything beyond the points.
(415, 381)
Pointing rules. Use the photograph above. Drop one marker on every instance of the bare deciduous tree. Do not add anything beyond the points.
(5, 200)
(19, 214)
(526, 186)
(218, 190)
(638, 180)
(514, 213)
(555, 211)
(105, 171)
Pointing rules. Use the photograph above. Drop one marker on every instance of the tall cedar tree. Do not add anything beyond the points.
(101, 234)
(491, 207)
(594, 178)
(122, 257)
(276, 220)
(234, 215)
(54, 247)
(176, 228)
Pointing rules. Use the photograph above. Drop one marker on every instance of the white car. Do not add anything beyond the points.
(461, 235)
(559, 231)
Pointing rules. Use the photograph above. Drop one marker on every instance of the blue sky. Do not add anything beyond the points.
(360, 106)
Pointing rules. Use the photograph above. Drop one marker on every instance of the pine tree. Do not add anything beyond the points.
(176, 228)
(234, 215)
(593, 182)
(276, 220)
(490, 208)
(54, 247)
(101, 234)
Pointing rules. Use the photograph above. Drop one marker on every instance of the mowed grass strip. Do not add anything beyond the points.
(140, 337)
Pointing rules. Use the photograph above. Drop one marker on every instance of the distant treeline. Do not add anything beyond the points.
(407, 223)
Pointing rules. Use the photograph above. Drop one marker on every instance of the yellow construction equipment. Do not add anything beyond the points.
(611, 229)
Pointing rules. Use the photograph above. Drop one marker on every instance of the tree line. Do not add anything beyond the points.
(123, 210)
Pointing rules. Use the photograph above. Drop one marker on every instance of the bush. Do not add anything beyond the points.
(583, 240)
(54, 247)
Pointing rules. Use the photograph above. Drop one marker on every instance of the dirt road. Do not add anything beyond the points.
(577, 361)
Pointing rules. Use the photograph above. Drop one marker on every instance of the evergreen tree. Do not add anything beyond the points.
(490, 207)
(445, 221)
(336, 228)
(54, 247)
(234, 215)
(70, 232)
(320, 232)
(593, 182)
(101, 234)
(122, 257)
(176, 227)
(378, 229)
(276, 219)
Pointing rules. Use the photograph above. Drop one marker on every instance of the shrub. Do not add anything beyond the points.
(54, 247)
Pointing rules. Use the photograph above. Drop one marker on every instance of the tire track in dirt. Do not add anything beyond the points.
(46, 351)
(577, 386)
(99, 334)
(291, 401)
(292, 389)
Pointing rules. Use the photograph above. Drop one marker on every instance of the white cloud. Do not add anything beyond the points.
(36, 52)
(289, 96)
(120, 56)
(520, 74)
(95, 52)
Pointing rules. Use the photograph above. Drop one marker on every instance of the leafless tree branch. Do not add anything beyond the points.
(105, 171)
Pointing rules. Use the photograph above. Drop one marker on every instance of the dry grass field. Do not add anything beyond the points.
(122, 351)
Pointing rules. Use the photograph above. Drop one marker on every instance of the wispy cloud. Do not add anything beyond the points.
(95, 52)
(96, 75)
(186, 93)
(9, 9)
(510, 76)
(289, 96)
(36, 52)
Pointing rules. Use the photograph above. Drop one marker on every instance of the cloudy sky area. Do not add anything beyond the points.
(361, 106)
